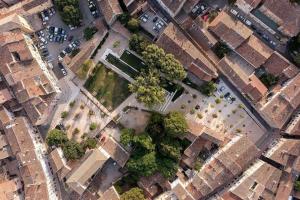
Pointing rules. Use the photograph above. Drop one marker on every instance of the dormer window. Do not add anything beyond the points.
(16, 56)
(254, 185)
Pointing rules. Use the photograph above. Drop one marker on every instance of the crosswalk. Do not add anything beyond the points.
(168, 99)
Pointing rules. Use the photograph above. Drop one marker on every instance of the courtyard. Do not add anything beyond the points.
(218, 112)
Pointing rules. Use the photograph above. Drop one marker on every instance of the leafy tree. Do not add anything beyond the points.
(155, 127)
(143, 142)
(147, 89)
(175, 124)
(297, 186)
(73, 150)
(221, 49)
(295, 1)
(56, 137)
(170, 148)
(124, 18)
(198, 165)
(127, 135)
(133, 194)
(64, 114)
(89, 143)
(152, 56)
(133, 24)
(93, 126)
(212, 15)
(208, 88)
(137, 43)
(89, 32)
(62, 3)
(231, 2)
(167, 167)
(172, 68)
(296, 58)
(269, 80)
(142, 165)
(71, 15)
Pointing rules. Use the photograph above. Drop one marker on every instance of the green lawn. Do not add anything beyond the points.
(132, 60)
(108, 87)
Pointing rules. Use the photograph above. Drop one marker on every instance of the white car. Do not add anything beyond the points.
(55, 31)
(234, 12)
(273, 43)
(43, 40)
(248, 22)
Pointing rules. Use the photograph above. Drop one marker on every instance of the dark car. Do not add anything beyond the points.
(56, 38)
(77, 43)
(70, 38)
(61, 39)
(68, 50)
(227, 95)
(51, 30)
(155, 19)
(62, 54)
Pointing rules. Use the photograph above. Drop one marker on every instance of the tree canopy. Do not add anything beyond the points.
(208, 88)
(89, 143)
(133, 24)
(172, 68)
(221, 49)
(133, 194)
(155, 127)
(89, 32)
(156, 150)
(153, 55)
(71, 15)
(170, 148)
(147, 89)
(167, 167)
(144, 143)
(73, 150)
(142, 165)
(56, 138)
(69, 11)
(137, 43)
(297, 186)
(62, 3)
(269, 80)
(127, 135)
(175, 124)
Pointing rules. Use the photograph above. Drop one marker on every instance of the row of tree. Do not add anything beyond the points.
(72, 150)
(69, 11)
(158, 148)
(159, 65)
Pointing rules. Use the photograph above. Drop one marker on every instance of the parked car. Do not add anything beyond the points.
(70, 38)
(62, 68)
(234, 12)
(248, 22)
(273, 43)
(265, 37)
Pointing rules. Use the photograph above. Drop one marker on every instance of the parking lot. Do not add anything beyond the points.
(56, 39)
(152, 23)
